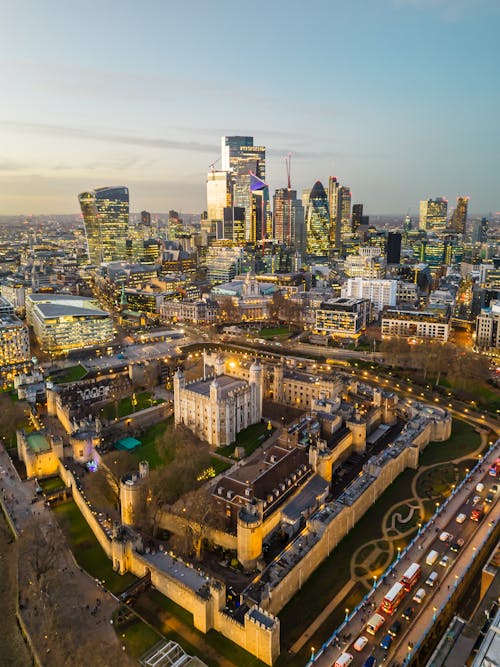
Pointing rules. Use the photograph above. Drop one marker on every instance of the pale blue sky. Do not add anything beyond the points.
(399, 99)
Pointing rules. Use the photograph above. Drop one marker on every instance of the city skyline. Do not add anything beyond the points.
(405, 115)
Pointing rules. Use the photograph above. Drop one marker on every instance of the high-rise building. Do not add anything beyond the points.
(218, 194)
(242, 158)
(344, 208)
(393, 248)
(105, 215)
(333, 208)
(306, 194)
(261, 221)
(318, 222)
(433, 214)
(459, 216)
(357, 216)
(288, 217)
(480, 231)
(145, 218)
(234, 224)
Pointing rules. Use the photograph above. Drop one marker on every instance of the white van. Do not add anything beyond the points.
(344, 660)
(375, 623)
(432, 557)
(480, 487)
(431, 579)
(419, 595)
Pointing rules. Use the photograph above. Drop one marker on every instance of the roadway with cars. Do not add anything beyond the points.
(472, 533)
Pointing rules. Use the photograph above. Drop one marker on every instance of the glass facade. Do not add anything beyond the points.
(106, 215)
(433, 214)
(318, 222)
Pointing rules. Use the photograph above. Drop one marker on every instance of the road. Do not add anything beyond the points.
(471, 532)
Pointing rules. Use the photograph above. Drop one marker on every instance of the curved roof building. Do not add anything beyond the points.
(105, 216)
(318, 222)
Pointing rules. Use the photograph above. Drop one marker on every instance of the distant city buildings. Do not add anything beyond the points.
(14, 343)
(105, 216)
(318, 222)
(433, 214)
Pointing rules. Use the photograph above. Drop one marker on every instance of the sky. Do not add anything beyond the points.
(400, 99)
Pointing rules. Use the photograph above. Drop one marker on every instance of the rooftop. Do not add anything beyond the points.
(226, 384)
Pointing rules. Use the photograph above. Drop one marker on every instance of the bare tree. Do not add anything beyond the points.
(201, 517)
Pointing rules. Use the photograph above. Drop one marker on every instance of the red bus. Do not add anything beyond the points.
(411, 576)
(391, 601)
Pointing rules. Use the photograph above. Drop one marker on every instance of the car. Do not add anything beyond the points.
(419, 595)
(360, 643)
(456, 546)
(461, 517)
(477, 514)
(395, 629)
(494, 488)
(431, 579)
(480, 487)
(386, 642)
(489, 498)
(446, 537)
(476, 500)
(370, 662)
(408, 613)
(445, 560)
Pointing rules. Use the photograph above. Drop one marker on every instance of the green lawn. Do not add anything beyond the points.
(70, 374)
(87, 550)
(125, 406)
(267, 332)
(138, 637)
(250, 438)
(148, 450)
(51, 484)
(463, 440)
(218, 465)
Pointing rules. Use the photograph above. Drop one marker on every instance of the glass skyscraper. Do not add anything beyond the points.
(105, 215)
(433, 214)
(318, 222)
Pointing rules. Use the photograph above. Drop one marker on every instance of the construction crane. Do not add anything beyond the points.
(212, 165)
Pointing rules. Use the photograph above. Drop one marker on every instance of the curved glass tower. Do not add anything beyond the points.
(105, 215)
(318, 222)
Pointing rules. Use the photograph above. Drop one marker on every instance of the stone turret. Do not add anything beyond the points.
(179, 383)
(132, 493)
(255, 379)
(358, 430)
(321, 460)
(250, 535)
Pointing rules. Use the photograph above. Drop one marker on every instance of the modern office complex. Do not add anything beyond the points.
(14, 343)
(458, 220)
(487, 327)
(433, 214)
(381, 293)
(105, 216)
(218, 194)
(318, 222)
(63, 323)
(288, 218)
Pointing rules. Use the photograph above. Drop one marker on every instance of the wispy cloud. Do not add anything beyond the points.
(103, 135)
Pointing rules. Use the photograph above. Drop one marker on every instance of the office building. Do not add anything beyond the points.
(62, 323)
(105, 217)
(380, 293)
(261, 221)
(393, 248)
(218, 194)
(344, 211)
(487, 327)
(368, 263)
(223, 263)
(14, 344)
(342, 317)
(318, 223)
(357, 216)
(431, 324)
(145, 218)
(433, 214)
(333, 208)
(458, 220)
(231, 149)
(288, 218)
(480, 231)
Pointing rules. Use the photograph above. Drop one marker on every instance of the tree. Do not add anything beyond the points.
(201, 517)
(103, 485)
(12, 416)
(229, 311)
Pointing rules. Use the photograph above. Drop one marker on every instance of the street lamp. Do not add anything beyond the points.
(312, 652)
(437, 507)
(419, 528)
(374, 580)
(346, 614)
(399, 553)
(434, 609)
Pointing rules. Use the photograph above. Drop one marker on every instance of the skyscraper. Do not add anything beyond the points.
(480, 231)
(218, 194)
(357, 216)
(145, 218)
(333, 207)
(318, 222)
(261, 223)
(288, 217)
(433, 214)
(344, 209)
(242, 158)
(459, 217)
(393, 248)
(105, 215)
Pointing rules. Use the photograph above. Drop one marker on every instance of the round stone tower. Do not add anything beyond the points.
(249, 535)
(132, 490)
